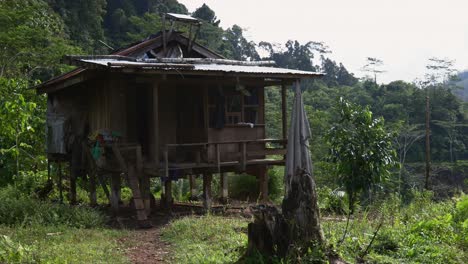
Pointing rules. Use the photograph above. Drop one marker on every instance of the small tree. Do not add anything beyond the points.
(361, 149)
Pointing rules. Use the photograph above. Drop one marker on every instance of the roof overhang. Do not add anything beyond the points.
(201, 67)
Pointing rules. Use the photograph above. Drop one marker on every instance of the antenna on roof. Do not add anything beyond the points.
(105, 44)
(180, 18)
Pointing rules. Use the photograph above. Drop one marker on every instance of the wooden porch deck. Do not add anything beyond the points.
(244, 157)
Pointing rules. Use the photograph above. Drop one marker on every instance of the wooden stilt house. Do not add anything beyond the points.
(164, 107)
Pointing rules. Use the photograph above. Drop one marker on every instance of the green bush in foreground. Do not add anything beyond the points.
(13, 252)
(18, 209)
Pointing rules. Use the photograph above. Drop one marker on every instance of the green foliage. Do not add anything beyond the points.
(17, 209)
(244, 187)
(240, 48)
(21, 129)
(332, 201)
(206, 239)
(361, 149)
(84, 22)
(421, 232)
(13, 252)
(206, 14)
(61, 244)
(32, 39)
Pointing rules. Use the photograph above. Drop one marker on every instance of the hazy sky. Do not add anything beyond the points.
(402, 33)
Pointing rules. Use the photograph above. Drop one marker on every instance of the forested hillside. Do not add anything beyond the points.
(36, 34)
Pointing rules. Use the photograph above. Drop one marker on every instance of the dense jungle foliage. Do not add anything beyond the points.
(35, 34)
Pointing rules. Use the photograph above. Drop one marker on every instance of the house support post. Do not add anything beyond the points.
(115, 192)
(168, 200)
(207, 177)
(60, 184)
(92, 188)
(224, 187)
(73, 175)
(137, 197)
(263, 184)
(193, 190)
(284, 111)
(145, 188)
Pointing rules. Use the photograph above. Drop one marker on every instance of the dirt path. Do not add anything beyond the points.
(145, 246)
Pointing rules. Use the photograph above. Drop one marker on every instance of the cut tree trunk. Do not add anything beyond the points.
(276, 233)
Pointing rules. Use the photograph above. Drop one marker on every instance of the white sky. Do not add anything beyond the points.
(402, 33)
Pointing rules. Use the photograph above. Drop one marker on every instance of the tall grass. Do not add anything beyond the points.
(33, 231)
(421, 232)
(18, 209)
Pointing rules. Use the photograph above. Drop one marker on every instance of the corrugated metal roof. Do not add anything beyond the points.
(182, 17)
(219, 68)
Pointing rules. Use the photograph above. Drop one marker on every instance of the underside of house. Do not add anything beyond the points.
(164, 107)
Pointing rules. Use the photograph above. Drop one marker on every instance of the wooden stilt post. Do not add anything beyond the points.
(207, 191)
(73, 176)
(193, 190)
(115, 192)
(263, 184)
(168, 200)
(224, 187)
(92, 188)
(146, 191)
(60, 181)
(284, 113)
(137, 198)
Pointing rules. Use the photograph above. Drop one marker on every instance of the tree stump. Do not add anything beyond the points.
(268, 234)
(275, 233)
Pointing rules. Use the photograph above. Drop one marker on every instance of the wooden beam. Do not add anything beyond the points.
(73, 176)
(243, 162)
(284, 112)
(207, 200)
(263, 184)
(164, 34)
(155, 129)
(137, 198)
(60, 186)
(92, 188)
(168, 199)
(193, 188)
(115, 192)
(224, 187)
(145, 188)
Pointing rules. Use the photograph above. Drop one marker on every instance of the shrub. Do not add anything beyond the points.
(275, 184)
(243, 187)
(17, 208)
(13, 252)
(332, 201)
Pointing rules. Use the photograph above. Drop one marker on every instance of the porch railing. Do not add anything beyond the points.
(243, 152)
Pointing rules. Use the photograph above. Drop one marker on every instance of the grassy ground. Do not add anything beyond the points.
(33, 231)
(61, 244)
(207, 239)
(422, 232)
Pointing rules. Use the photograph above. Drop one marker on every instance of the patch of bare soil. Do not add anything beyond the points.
(145, 246)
